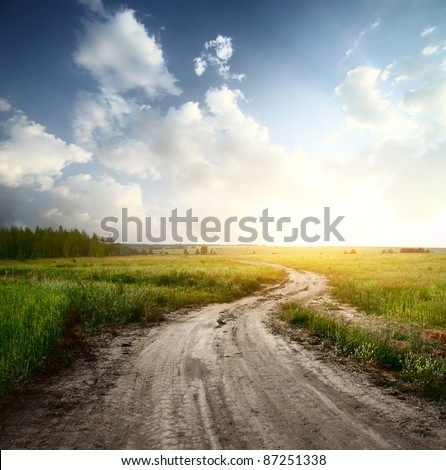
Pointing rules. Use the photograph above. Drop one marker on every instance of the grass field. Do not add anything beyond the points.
(43, 301)
(406, 292)
(407, 287)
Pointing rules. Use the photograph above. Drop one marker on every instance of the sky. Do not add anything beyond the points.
(228, 109)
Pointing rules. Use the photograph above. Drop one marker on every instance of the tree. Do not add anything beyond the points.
(22, 244)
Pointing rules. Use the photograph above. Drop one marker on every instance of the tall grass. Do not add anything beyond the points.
(32, 321)
(39, 299)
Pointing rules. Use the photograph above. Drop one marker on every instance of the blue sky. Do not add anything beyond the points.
(228, 108)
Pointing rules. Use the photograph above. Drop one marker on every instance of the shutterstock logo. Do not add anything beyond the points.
(249, 229)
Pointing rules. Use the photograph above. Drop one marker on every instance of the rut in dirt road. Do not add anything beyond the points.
(217, 378)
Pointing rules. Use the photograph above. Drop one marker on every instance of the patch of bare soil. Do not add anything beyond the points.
(218, 378)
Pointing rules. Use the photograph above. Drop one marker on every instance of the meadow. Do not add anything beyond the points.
(45, 302)
(406, 287)
(402, 295)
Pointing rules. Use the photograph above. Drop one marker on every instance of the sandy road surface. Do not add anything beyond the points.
(217, 378)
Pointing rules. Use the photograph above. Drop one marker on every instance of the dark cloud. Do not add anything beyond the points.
(9, 204)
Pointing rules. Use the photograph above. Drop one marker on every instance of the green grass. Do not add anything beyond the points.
(32, 322)
(419, 364)
(39, 298)
(42, 301)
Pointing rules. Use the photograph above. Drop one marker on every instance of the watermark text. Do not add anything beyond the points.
(183, 228)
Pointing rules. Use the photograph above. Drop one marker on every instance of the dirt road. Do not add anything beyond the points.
(217, 378)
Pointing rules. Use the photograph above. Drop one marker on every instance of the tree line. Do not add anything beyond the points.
(408, 250)
(23, 243)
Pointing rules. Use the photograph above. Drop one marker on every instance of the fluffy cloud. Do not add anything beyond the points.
(99, 116)
(364, 103)
(29, 155)
(203, 153)
(200, 65)
(82, 201)
(430, 50)
(121, 56)
(218, 160)
(419, 91)
(429, 98)
(148, 144)
(217, 54)
(33, 186)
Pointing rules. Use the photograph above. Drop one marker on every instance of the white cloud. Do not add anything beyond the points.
(216, 158)
(375, 24)
(98, 116)
(204, 154)
(399, 171)
(96, 6)
(217, 53)
(132, 157)
(430, 50)
(415, 102)
(400, 78)
(31, 156)
(222, 46)
(428, 31)
(220, 161)
(427, 103)
(121, 56)
(144, 143)
(5, 106)
(385, 74)
(82, 201)
(364, 103)
(419, 91)
(200, 66)
(33, 160)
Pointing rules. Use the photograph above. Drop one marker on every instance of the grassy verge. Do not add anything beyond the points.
(417, 362)
(43, 303)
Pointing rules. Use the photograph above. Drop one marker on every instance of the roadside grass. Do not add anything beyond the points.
(419, 363)
(42, 303)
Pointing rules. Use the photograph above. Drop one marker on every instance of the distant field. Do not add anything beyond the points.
(406, 287)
